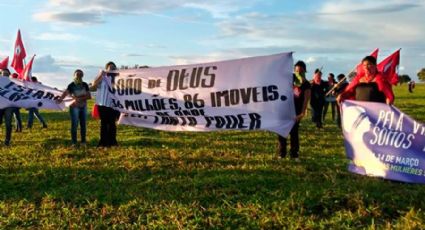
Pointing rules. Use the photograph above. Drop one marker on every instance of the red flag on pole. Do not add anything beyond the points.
(4, 63)
(389, 67)
(27, 72)
(18, 55)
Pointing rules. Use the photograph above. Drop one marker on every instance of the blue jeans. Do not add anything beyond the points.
(78, 114)
(34, 112)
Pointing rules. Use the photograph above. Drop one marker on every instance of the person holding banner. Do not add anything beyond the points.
(368, 86)
(302, 93)
(108, 116)
(7, 113)
(17, 112)
(34, 112)
(79, 90)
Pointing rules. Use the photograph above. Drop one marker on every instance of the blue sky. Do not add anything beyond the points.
(336, 34)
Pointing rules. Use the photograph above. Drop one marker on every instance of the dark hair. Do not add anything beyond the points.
(332, 75)
(33, 79)
(317, 71)
(370, 59)
(5, 70)
(301, 64)
(79, 71)
(111, 63)
(340, 76)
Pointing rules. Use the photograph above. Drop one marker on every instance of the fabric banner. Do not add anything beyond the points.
(382, 141)
(24, 94)
(244, 94)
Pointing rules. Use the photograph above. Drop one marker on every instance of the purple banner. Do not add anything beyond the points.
(382, 141)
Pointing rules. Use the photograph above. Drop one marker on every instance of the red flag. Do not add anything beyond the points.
(389, 67)
(359, 67)
(4, 63)
(27, 72)
(19, 54)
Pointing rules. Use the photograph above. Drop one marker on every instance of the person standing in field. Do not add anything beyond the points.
(17, 112)
(318, 91)
(342, 84)
(7, 113)
(35, 112)
(79, 90)
(108, 116)
(302, 92)
(330, 98)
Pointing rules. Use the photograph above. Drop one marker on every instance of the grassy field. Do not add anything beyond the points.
(213, 180)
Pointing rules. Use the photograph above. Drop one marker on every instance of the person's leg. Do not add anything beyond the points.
(333, 107)
(103, 115)
(113, 128)
(73, 111)
(83, 116)
(338, 116)
(295, 142)
(30, 117)
(282, 143)
(40, 118)
(8, 114)
(1, 116)
(325, 110)
(18, 119)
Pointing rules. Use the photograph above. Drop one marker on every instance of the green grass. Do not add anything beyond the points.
(198, 180)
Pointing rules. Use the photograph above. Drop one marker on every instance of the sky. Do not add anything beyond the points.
(333, 35)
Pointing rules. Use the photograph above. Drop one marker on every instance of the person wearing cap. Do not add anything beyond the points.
(302, 92)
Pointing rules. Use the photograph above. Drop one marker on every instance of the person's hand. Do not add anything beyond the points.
(338, 99)
(300, 117)
(388, 101)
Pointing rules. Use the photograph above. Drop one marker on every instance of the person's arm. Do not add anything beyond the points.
(97, 80)
(307, 95)
(64, 94)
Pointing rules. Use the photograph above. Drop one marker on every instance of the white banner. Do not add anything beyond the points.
(24, 94)
(244, 94)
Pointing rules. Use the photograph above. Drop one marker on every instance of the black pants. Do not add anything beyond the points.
(295, 142)
(108, 127)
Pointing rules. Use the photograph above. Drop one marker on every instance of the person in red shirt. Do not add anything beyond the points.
(369, 85)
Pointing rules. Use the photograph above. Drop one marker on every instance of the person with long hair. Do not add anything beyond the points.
(368, 85)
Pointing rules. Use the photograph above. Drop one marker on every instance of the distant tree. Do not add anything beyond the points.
(404, 78)
(421, 75)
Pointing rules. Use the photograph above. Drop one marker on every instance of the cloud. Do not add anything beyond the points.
(57, 37)
(45, 64)
(89, 12)
(77, 18)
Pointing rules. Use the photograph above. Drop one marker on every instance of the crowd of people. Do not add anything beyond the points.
(10, 113)
(369, 85)
(80, 92)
